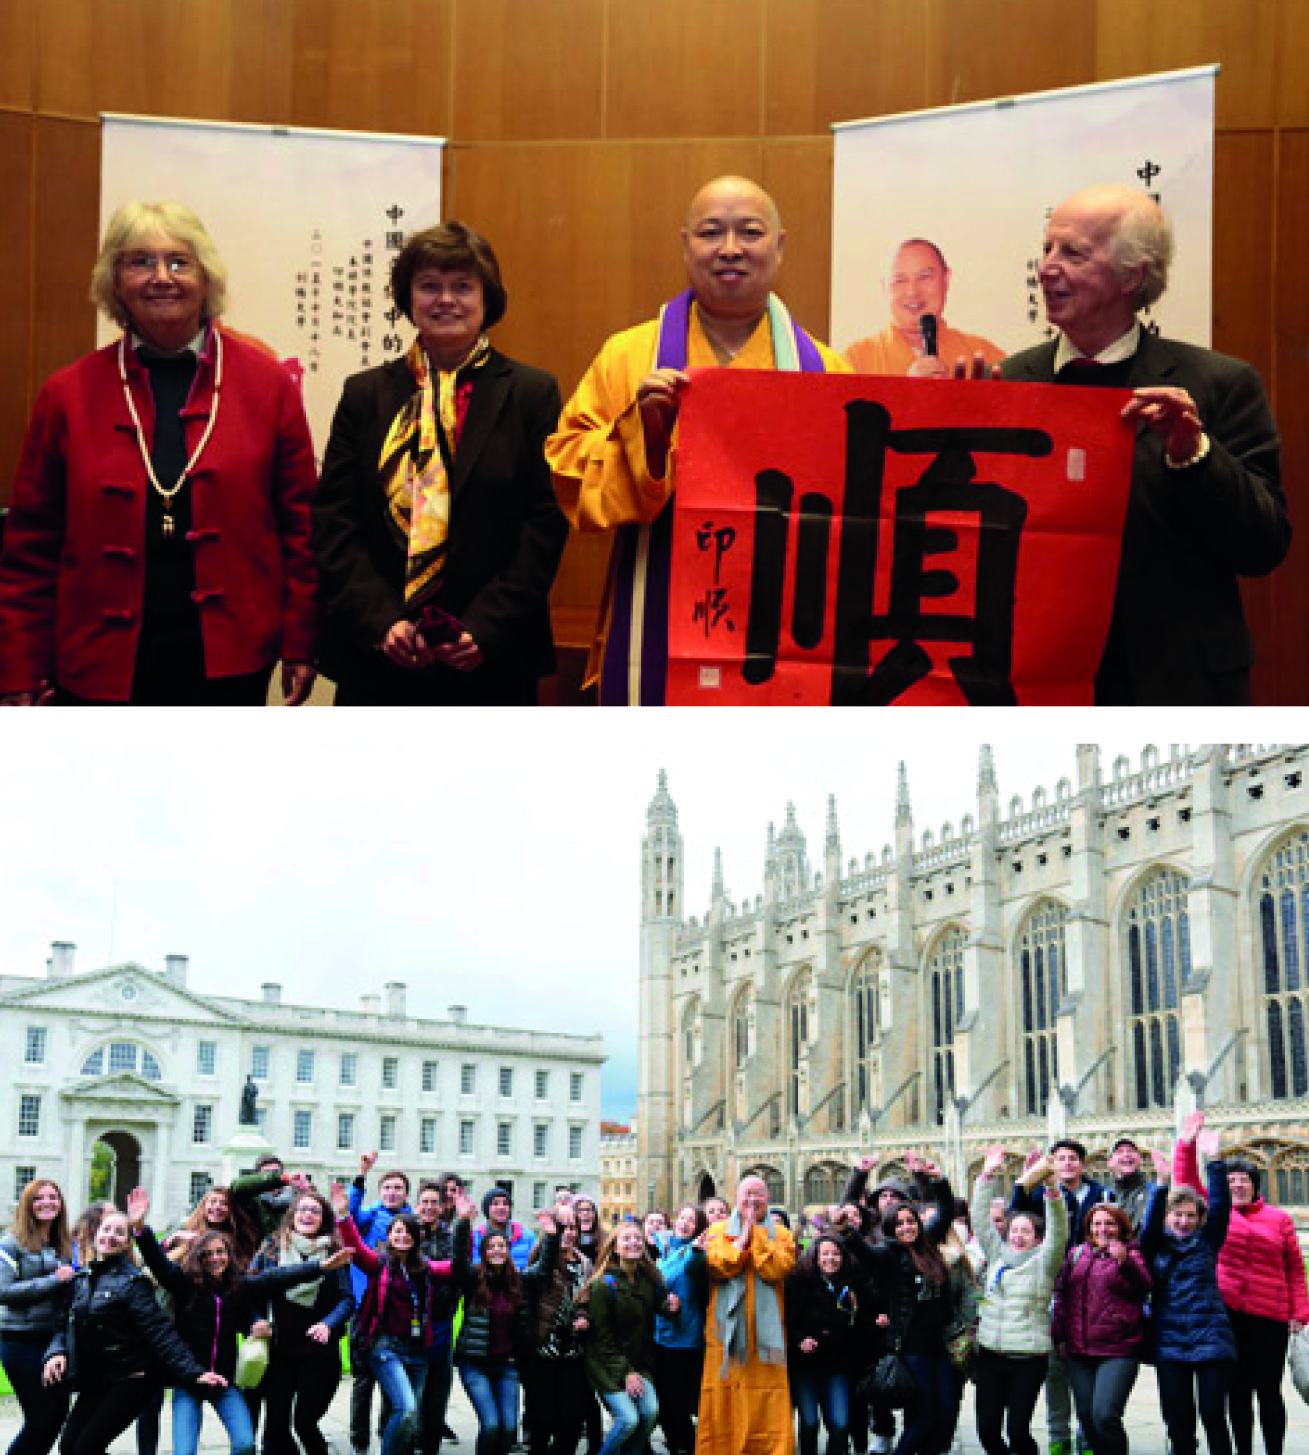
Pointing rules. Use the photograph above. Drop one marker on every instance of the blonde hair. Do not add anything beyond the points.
(28, 1232)
(132, 225)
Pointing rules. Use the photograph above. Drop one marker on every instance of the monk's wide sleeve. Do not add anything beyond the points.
(774, 1257)
(597, 454)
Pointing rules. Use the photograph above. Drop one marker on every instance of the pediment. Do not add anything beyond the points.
(123, 1089)
(127, 992)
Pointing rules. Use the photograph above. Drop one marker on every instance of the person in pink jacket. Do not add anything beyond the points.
(1261, 1277)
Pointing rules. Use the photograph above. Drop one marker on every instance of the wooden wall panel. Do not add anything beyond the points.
(16, 184)
(799, 176)
(1286, 677)
(208, 58)
(373, 65)
(1137, 37)
(684, 68)
(17, 53)
(68, 239)
(978, 50)
(527, 70)
(1244, 204)
(839, 60)
(1292, 65)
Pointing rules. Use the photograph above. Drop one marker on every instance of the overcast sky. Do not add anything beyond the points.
(487, 859)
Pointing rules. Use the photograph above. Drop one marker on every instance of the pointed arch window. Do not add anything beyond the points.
(1158, 965)
(1284, 947)
(1043, 984)
(945, 974)
(799, 1026)
(866, 1021)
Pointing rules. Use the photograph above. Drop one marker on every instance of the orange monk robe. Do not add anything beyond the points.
(748, 1412)
(597, 453)
(889, 352)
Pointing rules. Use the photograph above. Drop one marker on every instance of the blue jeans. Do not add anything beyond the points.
(930, 1418)
(188, 1411)
(492, 1389)
(400, 1373)
(633, 1419)
(814, 1387)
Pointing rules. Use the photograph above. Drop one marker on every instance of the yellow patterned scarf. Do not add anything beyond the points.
(413, 468)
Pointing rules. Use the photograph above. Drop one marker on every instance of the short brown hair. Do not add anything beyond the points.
(449, 245)
(1119, 1214)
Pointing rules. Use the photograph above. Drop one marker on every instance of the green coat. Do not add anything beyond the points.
(621, 1337)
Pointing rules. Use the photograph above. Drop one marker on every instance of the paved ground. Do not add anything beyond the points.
(1145, 1430)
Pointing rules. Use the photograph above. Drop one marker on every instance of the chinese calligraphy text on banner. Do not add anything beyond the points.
(852, 539)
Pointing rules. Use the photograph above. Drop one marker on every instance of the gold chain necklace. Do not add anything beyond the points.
(166, 527)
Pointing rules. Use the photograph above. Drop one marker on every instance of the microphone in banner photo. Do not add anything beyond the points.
(927, 327)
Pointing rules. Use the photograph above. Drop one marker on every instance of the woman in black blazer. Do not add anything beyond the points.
(436, 530)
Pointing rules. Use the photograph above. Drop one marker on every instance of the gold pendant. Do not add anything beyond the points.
(166, 526)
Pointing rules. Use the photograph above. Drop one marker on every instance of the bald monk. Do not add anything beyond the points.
(745, 1401)
(916, 286)
(614, 455)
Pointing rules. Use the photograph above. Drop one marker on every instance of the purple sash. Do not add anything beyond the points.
(642, 563)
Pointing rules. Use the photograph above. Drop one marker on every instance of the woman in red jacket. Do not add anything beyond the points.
(1261, 1277)
(1098, 1324)
(157, 549)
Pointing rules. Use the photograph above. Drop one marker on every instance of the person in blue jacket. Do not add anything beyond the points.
(498, 1210)
(1195, 1350)
(679, 1337)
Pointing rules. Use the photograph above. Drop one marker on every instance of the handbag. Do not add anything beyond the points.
(1300, 1364)
(961, 1346)
(890, 1381)
(251, 1363)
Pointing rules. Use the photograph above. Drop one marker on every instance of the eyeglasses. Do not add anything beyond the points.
(178, 265)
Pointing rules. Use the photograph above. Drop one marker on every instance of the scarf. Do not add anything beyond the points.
(730, 1312)
(299, 1249)
(634, 672)
(413, 462)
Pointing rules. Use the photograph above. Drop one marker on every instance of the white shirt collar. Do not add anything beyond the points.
(194, 347)
(1121, 348)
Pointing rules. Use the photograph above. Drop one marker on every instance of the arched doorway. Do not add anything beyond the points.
(115, 1167)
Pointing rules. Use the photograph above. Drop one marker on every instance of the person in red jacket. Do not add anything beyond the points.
(1261, 1277)
(157, 549)
(1098, 1324)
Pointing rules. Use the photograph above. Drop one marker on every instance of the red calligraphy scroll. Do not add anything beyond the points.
(856, 540)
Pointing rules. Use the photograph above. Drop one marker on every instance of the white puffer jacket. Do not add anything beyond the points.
(1016, 1299)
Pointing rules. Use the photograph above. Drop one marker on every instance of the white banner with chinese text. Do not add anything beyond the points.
(307, 223)
(974, 185)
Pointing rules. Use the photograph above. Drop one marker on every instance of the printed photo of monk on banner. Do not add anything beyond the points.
(858, 541)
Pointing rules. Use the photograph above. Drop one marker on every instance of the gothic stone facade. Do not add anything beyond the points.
(136, 1060)
(1099, 961)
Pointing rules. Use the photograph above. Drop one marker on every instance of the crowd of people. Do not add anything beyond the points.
(719, 1324)
(171, 537)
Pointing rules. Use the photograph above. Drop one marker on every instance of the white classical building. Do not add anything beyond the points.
(137, 1060)
(1100, 960)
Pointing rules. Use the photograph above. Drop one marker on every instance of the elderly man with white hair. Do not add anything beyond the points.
(1206, 504)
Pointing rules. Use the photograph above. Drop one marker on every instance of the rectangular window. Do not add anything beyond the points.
(122, 1056)
(540, 1137)
(34, 1053)
(304, 1067)
(390, 1072)
(260, 1061)
(345, 1131)
(575, 1143)
(206, 1058)
(467, 1079)
(506, 1081)
(538, 1195)
(349, 1068)
(429, 1075)
(29, 1116)
(466, 1133)
(303, 1128)
(24, 1173)
(575, 1086)
(542, 1085)
(504, 1139)
(202, 1125)
(386, 1134)
(201, 1182)
(427, 1136)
